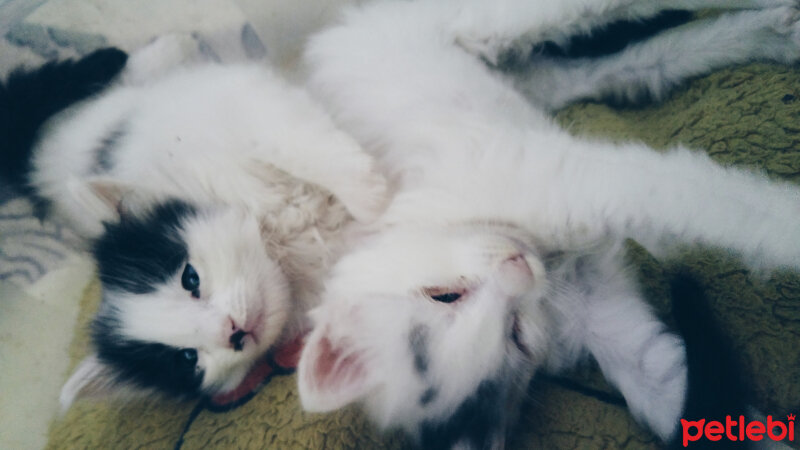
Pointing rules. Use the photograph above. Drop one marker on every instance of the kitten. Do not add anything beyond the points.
(499, 254)
(213, 197)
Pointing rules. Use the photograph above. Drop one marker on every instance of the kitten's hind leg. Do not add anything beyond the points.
(492, 29)
(651, 68)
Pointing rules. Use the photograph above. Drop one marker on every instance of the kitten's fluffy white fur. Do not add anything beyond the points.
(499, 255)
(273, 179)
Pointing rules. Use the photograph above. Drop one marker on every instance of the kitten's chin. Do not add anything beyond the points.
(242, 383)
(280, 359)
(232, 378)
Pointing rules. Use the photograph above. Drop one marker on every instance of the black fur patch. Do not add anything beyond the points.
(602, 41)
(139, 253)
(143, 364)
(478, 421)
(428, 396)
(135, 256)
(28, 98)
(418, 343)
(615, 36)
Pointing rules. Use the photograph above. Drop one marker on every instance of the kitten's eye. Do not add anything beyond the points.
(190, 280)
(187, 357)
(444, 295)
(449, 297)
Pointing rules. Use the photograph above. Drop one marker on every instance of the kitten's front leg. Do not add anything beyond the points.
(641, 358)
(334, 161)
(606, 315)
(359, 185)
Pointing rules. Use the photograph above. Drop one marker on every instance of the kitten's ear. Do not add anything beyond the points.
(332, 373)
(91, 380)
(100, 197)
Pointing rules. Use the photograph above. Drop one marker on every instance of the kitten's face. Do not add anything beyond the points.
(436, 331)
(191, 300)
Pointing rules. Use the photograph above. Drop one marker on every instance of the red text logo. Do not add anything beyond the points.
(737, 430)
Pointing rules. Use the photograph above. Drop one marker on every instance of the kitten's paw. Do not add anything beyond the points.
(665, 370)
(496, 49)
(366, 197)
(777, 3)
(493, 36)
(166, 53)
(781, 40)
(792, 24)
(488, 48)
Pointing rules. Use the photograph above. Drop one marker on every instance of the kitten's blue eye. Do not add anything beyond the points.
(187, 357)
(190, 280)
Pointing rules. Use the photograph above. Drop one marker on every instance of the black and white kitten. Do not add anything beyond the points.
(213, 196)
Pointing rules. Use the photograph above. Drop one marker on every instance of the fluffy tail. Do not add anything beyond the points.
(28, 98)
(716, 387)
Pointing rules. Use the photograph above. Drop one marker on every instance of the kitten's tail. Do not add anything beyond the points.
(28, 98)
(716, 387)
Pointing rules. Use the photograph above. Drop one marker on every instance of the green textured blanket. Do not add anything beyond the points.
(748, 116)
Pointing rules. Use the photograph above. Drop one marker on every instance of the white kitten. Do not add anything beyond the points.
(499, 254)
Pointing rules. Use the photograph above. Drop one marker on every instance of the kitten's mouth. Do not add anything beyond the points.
(281, 360)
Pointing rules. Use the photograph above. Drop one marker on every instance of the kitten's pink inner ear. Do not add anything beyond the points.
(109, 192)
(331, 369)
(331, 375)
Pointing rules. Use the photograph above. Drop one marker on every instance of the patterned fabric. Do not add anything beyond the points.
(30, 248)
